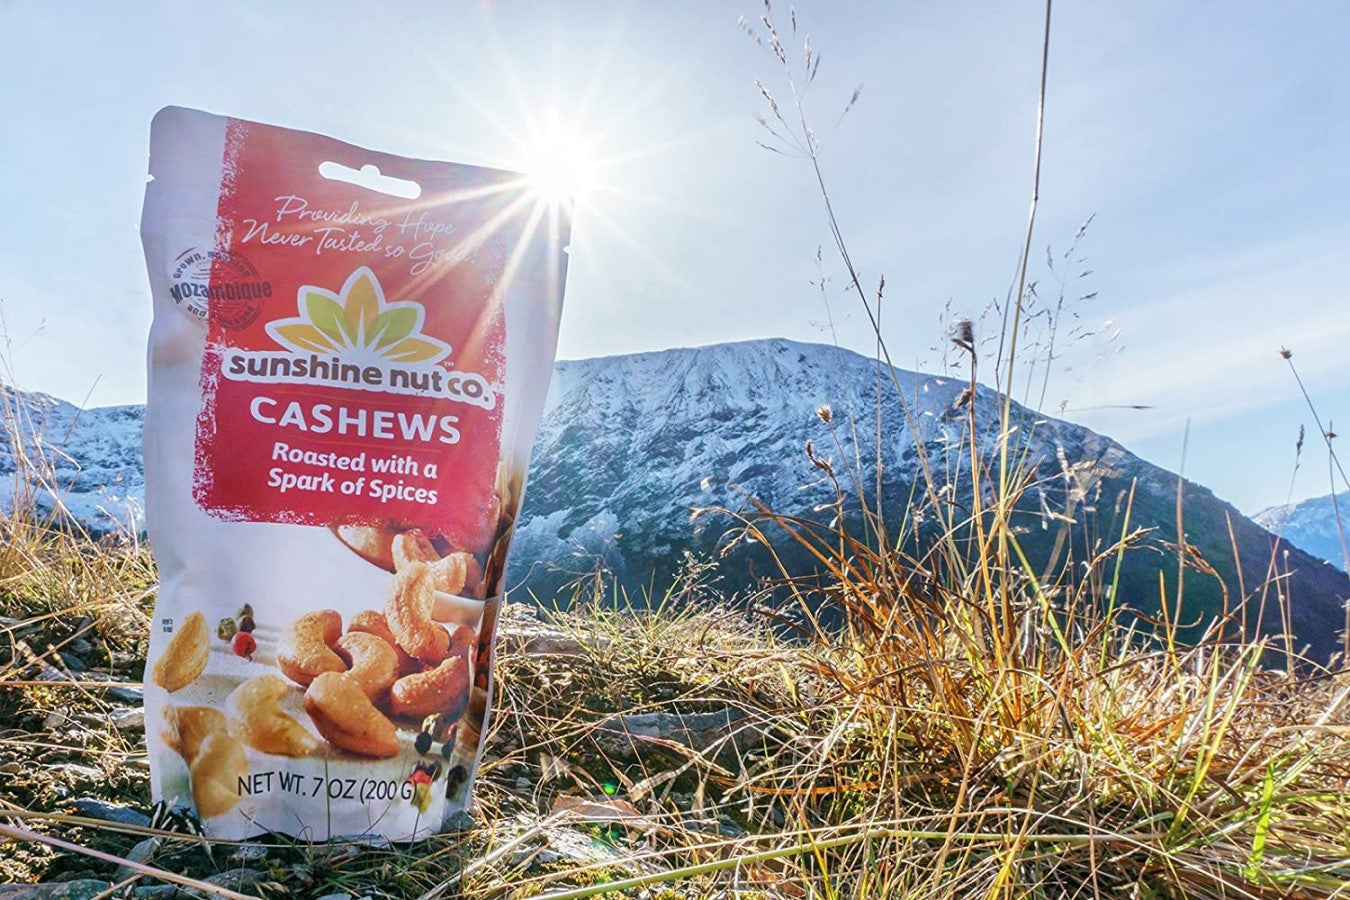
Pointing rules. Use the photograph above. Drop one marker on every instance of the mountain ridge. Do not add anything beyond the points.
(631, 444)
(1311, 525)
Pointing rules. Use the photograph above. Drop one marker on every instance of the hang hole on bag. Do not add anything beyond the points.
(370, 178)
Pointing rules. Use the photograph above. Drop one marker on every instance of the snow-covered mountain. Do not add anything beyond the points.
(630, 445)
(1312, 525)
(90, 458)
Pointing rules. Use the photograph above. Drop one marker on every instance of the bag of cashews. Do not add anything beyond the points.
(347, 365)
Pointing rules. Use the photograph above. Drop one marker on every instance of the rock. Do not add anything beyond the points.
(460, 820)
(343, 847)
(231, 879)
(520, 630)
(335, 897)
(11, 628)
(518, 614)
(80, 647)
(126, 694)
(127, 719)
(729, 827)
(629, 735)
(57, 719)
(539, 641)
(143, 853)
(93, 808)
(574, 808)
(83, 889)
(73, 662)
(556, 844)
(75, 772)
(248, 852)
(540, 854)
(159, 892)
(240, 879)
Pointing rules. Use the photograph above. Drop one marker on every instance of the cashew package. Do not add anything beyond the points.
(347, 366)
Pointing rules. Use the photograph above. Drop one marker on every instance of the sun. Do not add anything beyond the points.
(560, 166)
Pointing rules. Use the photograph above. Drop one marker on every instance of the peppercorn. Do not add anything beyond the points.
(243, 645)
(246, 624)
(225, 629)
(423, 743)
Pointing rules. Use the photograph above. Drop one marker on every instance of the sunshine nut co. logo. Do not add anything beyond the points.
(355, 339)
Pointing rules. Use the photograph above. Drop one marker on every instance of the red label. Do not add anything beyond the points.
(354, 366)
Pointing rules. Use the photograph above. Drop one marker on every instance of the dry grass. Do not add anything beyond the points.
(964, 733)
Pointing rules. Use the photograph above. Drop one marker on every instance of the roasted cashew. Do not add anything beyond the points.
(215, 759)
(443, 690)
(410, 547)
(463, 642)
(370, 542)
(459, 573)
(184, 659)
(306, 647)
(260, 722)
(408, 613)
(373, 622)
(455, 573)
(373, 662)
(185, 727)
(475, 582)
(346, 717)
(216, 772)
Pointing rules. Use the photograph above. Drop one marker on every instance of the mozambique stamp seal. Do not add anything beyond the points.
(219, 287)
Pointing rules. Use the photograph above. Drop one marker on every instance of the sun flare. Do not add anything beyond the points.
(561, 167)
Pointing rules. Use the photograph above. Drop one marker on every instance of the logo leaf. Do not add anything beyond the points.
(414, 350)
(392, 325)
(330, 318)
(303, 338)
(363, 305)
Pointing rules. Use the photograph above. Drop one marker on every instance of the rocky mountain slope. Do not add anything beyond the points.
(90, 459)
(630, 445)
(1311, 525)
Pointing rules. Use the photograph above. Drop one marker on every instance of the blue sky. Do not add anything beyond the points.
(1210, 140)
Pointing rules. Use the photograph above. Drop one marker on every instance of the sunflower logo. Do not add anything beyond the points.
(358, 323)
